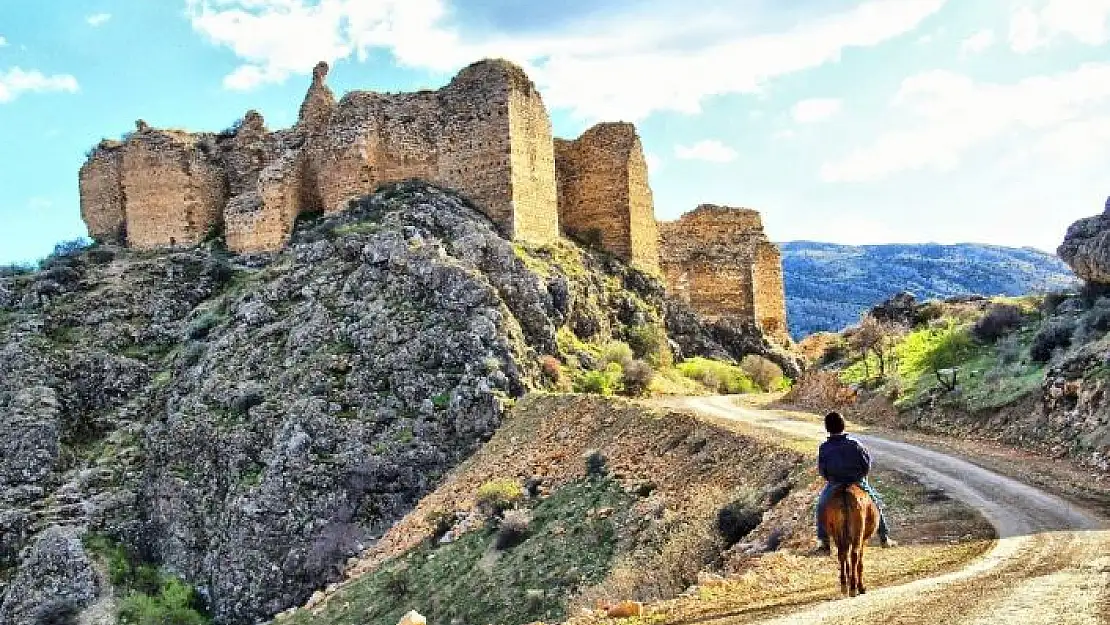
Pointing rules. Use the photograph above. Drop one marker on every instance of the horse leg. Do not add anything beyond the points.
(859, 569)
(842, 556)
(852, 582)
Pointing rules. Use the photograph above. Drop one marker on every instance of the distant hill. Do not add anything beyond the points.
(828, 286)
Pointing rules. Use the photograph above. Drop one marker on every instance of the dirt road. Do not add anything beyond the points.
(1050, 566)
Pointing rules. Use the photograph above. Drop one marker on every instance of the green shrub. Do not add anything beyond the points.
(605, 382)
(513, 529)
(597, 465)
(1000, 320)
(1053, 335)
(719, 376)
(636, 378)
(648, 342)
(496, 496)
(925, 351)
(175, 604)
(617, 352)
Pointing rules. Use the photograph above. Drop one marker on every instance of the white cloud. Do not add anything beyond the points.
(979, 42)
(607, 68)
(710, 150)
(3, 42)
(815, 110)
(16, 81)
(1084, 20)
(654, 162)
(98, 19)
(946, 114)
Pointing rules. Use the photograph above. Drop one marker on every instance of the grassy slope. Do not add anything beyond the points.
(671, 473)
(649, 548)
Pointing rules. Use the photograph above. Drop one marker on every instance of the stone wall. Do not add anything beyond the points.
(486, 134)
(101, 188)
(604, 192)
(719, 261)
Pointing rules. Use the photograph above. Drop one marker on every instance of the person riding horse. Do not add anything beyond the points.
(843, 461)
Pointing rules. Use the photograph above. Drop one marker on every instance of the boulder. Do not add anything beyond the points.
(413, 618)
(1086, 247)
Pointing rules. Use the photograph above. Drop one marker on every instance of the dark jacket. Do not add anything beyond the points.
(843, 460)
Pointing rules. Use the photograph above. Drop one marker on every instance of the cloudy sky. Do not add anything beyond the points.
(853, 121)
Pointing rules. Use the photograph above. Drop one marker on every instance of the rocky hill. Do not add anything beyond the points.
(829, 286)
(246, 424)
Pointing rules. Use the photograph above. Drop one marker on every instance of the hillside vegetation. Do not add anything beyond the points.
(829, 286)
(1029, 371)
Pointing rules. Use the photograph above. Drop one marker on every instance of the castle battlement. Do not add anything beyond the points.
(486, 134)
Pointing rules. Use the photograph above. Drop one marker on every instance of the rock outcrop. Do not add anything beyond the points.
(1086, 247)
(251, 422)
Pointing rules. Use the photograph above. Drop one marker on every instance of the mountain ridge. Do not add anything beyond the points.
(828, 285)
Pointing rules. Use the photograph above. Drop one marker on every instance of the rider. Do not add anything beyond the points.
(843, 461)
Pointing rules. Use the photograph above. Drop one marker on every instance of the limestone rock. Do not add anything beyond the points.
(56, 573)
(1086, 247)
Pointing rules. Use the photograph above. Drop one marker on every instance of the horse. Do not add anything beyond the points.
(851, 519)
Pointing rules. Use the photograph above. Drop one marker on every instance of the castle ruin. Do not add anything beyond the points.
(718, 260)
(486, 135)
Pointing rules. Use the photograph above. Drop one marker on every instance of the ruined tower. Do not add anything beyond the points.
(718, 260)
(604, 192)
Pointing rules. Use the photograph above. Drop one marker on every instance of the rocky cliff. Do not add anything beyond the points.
(248, 423)
(1086, 247)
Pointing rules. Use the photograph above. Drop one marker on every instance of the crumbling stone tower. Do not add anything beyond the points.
(604, 192)
(718, 260)
(486, 134)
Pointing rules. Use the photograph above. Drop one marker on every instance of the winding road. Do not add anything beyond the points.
(1050, 566)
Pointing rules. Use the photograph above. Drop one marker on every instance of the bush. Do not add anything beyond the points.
(57, 612)
(762, 371)
(497, 496)
(718, 376)
(441, 521)
(617, 352)
(1095, 322)
(739, 518)
(597, 465)
(605, 382)
(1052, 336)
(648, 342)
(552, 370)
(1052, 301)
(1000, 320)
(175, 604)
(513, 529)
(637, 377)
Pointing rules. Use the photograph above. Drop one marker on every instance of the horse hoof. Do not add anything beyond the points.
(844, 590)
(853, 593)
(862, 591)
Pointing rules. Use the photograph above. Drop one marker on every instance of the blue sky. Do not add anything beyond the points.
(852, 121)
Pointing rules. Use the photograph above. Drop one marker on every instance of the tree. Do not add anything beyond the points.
(876, 338)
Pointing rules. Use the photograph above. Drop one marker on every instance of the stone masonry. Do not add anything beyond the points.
(604, 192)
(486, 134)
(718, 260)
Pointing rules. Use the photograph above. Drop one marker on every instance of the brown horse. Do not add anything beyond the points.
(850, 519)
